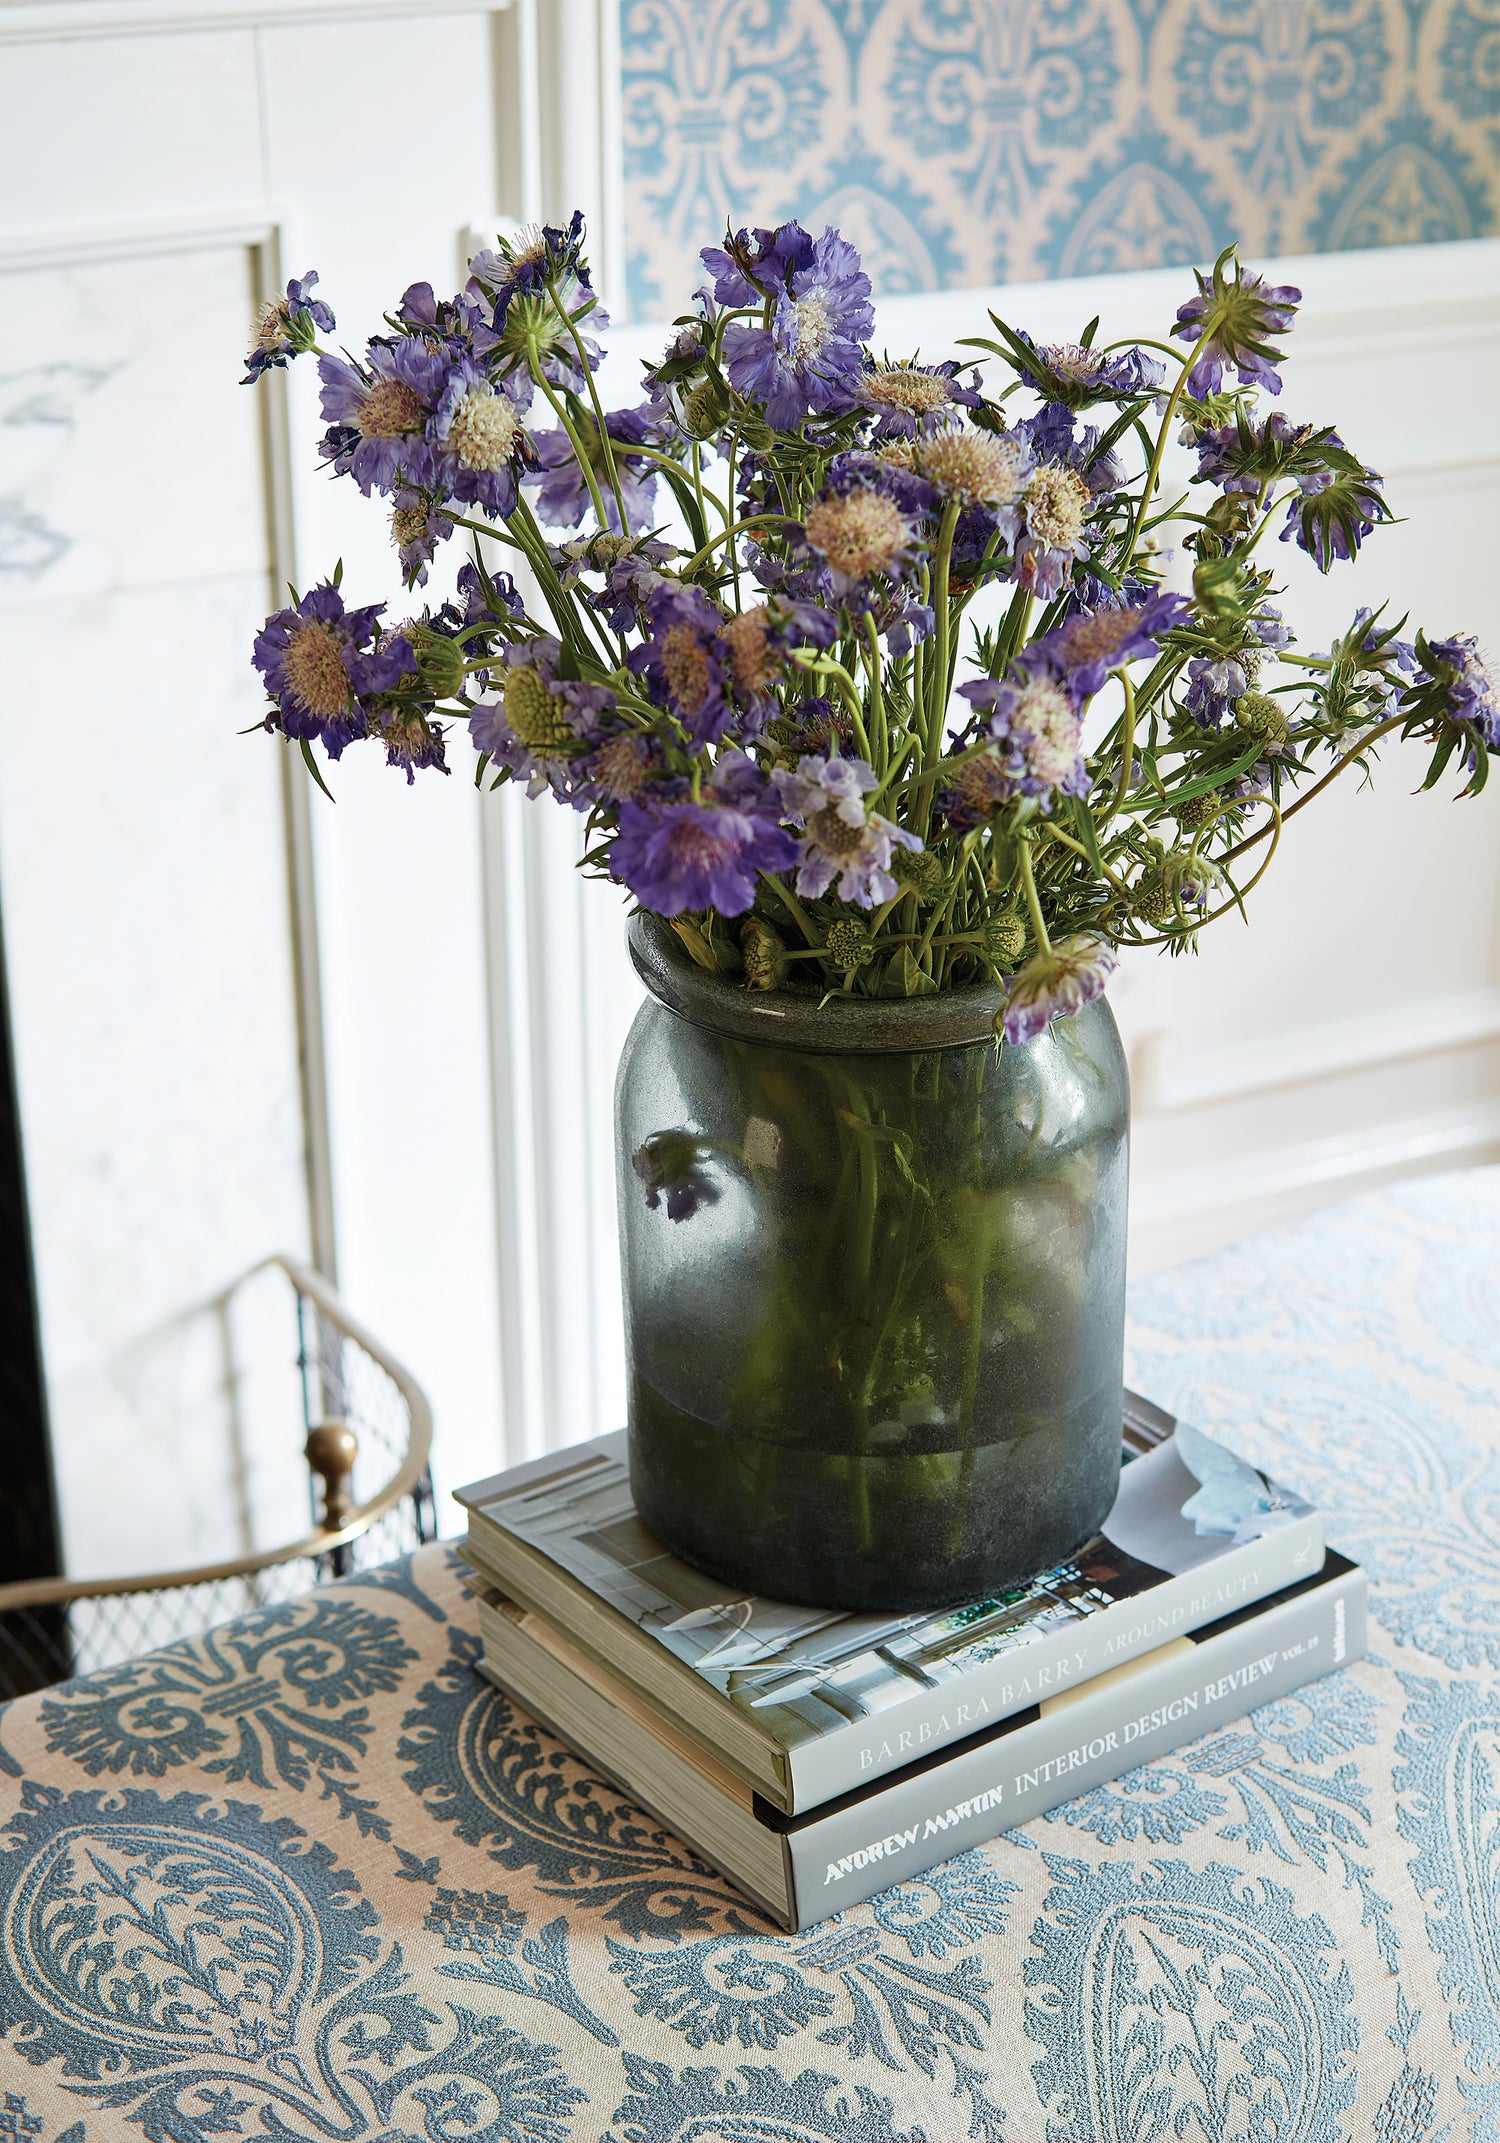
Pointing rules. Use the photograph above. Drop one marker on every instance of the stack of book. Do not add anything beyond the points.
(818, 1757)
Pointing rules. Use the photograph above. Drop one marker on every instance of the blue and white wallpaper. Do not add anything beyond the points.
(980, 141)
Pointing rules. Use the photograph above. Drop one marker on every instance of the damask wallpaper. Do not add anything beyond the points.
(980, 141)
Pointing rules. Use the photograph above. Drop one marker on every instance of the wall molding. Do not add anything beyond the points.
(31, 22)
(88, 245)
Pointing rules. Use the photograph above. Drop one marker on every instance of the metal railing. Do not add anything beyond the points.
(368, 1429)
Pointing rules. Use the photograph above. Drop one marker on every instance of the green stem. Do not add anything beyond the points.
(1354, 752)
(1033, 904)
(755, 520)
(1161, 447)
(571, 429)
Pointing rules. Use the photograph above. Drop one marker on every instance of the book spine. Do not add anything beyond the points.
(856, 1755)
(885, 1838)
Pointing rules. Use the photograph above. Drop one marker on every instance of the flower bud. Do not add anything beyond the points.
(1005, 936)
(1196, 811)
(920, 869)
(704, 409)
(763, 953)
(1262, 716)
(849, 946)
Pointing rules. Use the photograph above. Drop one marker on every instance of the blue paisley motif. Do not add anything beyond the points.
(1176, 2000)
(504, 1784)
(697, 2107)
(204, 1970)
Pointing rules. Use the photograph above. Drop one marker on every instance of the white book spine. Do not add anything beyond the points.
(899, 1734)
(884, 1838)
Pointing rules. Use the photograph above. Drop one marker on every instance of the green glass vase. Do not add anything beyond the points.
(874, 1281)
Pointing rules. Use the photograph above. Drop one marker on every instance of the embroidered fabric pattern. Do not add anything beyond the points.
(310, 1875)
(987, 141)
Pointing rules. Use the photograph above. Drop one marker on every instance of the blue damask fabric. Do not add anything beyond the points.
(308, 1876)
(963, 142)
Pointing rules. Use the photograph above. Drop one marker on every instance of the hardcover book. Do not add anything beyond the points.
(802, 1868)
(807, 1703)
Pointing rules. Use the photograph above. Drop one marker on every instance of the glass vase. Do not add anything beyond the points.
(874, 1280)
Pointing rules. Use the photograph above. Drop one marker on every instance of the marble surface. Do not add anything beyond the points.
(308, 1875)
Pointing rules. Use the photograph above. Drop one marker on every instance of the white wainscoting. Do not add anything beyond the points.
(246, 1020)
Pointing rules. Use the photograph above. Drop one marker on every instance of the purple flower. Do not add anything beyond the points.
(1245, 455)
(479, 442)
(686, 663)
(1332, 519)
(912, 398)
(534, 330)
(842, 838)
(540, 254)
(809, 359)
(672, 1162)
(859, 530)
(1455, 683)
(1213, 684)
(410, 738)
(1053, 985)
(542, 723)
(1033, 748)
(1068, 373)
(681, 855)
(418, 526)
(376, 413)
(754, 265)
(318, 666)
(1237, 314)
(1087, 648)
(1055, 515)
(287, 326)
(563, 498)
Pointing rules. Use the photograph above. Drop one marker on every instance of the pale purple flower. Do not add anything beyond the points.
(563, 497)
(754, 265)
(1332, 519)
(543, 723)
(1053, 985)
(686, 663)
(1240, 314)
(1068, 373)
(906, 399)
(1455, 681)
(418, 526)
(377, 413)
(320, 666)
(287, 325)
(479, 442)
(842, 837)
(1213, 684)
(1088, 647)
(1033, 741)
(681, 855)
(808, 360)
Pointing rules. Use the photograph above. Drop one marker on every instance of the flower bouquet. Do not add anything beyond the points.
(899, 697)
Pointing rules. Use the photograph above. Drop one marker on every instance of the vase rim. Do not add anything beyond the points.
(781, 1019)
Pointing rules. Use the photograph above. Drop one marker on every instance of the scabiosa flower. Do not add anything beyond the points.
(376, 413)
(1053, 985)
(911, 398)
(563, 497)
(539, 254)
(1454, 681)
(988, 470)
(1056, 510)
(1075, 376)
(542, 722)
(1244, 455)
(1333, 519)
(533, 333)
(860, 532)
(1239, 314)
(686, 663)
(754, 265)
(1087, 648)
(1035, 730)
(318, 666)
(682, 855)
(418, 526)
(410, 738)
(1214, 683)
(808, 360)
(479, 443)
(286, 326)
(842, 838)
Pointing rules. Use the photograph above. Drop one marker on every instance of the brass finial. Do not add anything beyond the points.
(331, 1449)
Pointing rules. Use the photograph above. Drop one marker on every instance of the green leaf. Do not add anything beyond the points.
(312, 767)
(904, 978)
